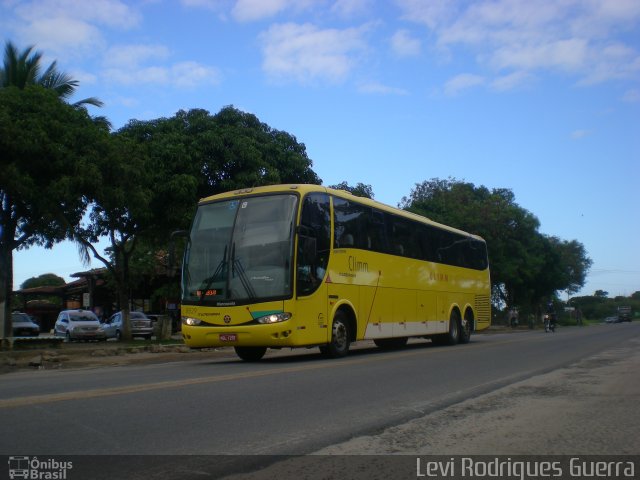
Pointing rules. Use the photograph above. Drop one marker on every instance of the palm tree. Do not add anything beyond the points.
(20, 70)
(23, 68)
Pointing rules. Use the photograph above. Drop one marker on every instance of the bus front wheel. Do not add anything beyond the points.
(250, 354)
(339, 345)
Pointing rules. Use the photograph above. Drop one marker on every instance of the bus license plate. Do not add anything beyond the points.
(228, 337)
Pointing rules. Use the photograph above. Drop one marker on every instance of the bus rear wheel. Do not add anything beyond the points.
(250, 354)
(339, 345)
(466, 328)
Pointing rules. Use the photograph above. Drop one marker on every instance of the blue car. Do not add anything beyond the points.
(141, 325)
(23, 325)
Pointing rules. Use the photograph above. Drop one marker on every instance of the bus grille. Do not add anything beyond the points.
(483, 308)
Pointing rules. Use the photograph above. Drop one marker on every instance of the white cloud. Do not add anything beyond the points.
(380, 89)
(632, 96)
(191, 74)
(350, 8)
(404, 45)
(569, 36)
(209, 4)
(252, 10)
(511, 81)
(131, 56)
(569, 55)
(128, 102)
(84, 77)
(183, 74)
(245, 11)
(613, 61)
(130, 65)
(461, 82)
(256, 10)
(61, 35)
(578, 134)
(112, 13)
(307, 53)
(65, 28)
(431, 13)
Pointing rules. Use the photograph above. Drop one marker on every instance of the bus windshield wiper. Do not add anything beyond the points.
(236, 266)
(219, 269)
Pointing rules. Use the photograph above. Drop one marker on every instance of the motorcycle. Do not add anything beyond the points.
(549, 322)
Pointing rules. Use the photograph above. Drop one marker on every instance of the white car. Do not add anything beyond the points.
(79, 325)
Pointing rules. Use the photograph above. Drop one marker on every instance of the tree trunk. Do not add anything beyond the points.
(123, 300)
(6, 290)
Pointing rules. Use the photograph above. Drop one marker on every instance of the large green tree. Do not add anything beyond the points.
(526, 266)
(39, 156)
(120, 210)
(157, 170)
(44, 280)
(231, 149)
(47, 164)
(360, 190)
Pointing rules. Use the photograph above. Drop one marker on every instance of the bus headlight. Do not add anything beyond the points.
(191, 321)
(274, 318)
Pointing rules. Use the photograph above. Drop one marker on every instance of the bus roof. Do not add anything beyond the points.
(307, 188)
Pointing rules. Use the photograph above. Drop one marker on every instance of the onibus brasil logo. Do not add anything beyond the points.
(38, 469)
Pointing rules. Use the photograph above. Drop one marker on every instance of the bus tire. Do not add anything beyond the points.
(339, 345)
(391, 343)
(250, 354)
(454, 328)
(452, 336)
(466, 326)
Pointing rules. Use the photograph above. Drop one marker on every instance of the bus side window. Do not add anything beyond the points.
(376, 234)
(404, 237)
(314, 242)
(348, 224)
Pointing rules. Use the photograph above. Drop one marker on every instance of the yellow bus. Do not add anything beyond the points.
(290, 266)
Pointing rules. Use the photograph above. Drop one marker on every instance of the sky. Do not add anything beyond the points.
(540, 97)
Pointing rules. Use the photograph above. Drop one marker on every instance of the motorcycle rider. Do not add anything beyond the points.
(550, 318)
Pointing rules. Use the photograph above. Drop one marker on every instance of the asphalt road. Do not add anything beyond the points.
(291, 403)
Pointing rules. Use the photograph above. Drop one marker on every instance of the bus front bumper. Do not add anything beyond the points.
(274, 336)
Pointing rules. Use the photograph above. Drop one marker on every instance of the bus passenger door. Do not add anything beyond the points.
(312, 257)
(312, 310)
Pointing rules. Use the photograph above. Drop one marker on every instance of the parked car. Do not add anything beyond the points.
(79, 325)
(141, 326)
(611, 320)
(24, 326)
(155, 322)
(624, 314)
(173, 318)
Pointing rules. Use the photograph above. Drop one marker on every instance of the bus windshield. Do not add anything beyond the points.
(240, 251)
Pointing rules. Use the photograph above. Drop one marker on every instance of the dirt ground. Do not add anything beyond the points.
(90, 355)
